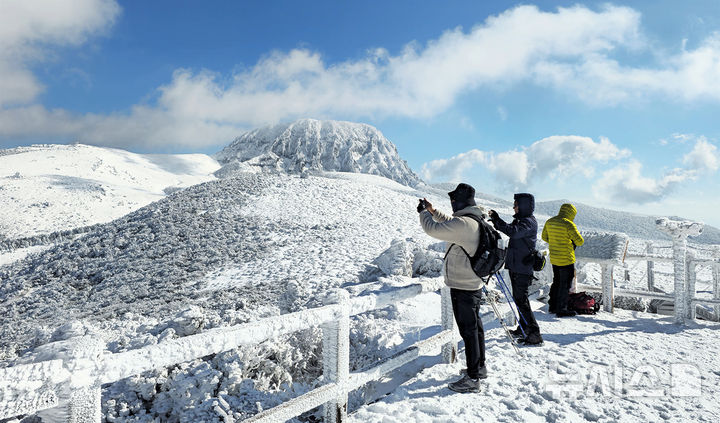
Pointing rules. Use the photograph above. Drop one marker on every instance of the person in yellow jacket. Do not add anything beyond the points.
(563, 237)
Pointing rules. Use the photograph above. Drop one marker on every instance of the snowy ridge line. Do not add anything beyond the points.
(87, 372)
(53, 237)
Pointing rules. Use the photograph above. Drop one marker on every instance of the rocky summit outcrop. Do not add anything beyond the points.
(315, 145)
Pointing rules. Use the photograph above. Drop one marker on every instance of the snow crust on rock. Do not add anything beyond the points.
(47, 188)
(315, 145)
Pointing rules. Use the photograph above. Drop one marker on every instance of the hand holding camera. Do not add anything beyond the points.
(493, 215)
(424, 204)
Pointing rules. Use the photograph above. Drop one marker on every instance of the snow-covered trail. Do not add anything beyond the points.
(626, 366)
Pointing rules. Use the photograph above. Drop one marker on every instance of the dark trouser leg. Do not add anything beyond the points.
(466, 308)
(564, 276)
(552, 300)
(520, 285)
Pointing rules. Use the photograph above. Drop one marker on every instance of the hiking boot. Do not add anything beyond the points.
(465, 384)
(532, 339)
(566, 313)
(517, 333)
(482, 373)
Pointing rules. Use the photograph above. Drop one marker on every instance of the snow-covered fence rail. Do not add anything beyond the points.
(608, 250)
(603, 249)
(68, 385)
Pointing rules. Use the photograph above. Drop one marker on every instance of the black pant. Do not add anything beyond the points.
(466, 308)
(560, 288)
(520, 284)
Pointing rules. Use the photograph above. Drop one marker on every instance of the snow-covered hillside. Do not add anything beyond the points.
(48, 188)
(221, 253)
(310, 144)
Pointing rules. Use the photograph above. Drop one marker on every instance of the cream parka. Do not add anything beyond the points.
(462, 231)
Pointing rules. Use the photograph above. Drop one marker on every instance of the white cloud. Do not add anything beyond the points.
(564, 158)
(566, 155)
(419, 82)
(598, 79)
(510, 167)
(553, 157)
(29, 27)
(703, 157)
(452, 169)
(626, 184)
(678, 138)
(570, 49)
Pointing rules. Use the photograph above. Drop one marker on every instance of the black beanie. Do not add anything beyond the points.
(463, 196)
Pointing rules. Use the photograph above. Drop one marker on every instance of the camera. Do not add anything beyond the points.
(422, 205)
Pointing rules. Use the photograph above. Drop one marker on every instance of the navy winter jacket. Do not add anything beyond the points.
(522, 233)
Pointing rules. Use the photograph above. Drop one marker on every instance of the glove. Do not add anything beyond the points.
(493, 215)
(421, 205)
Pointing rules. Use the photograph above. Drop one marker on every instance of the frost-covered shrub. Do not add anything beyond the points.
(372, 338)
(427, 262)
(192, 320)
(397, 259)
(295, 297)
(631, 303)
(407, 257)
(171, 189)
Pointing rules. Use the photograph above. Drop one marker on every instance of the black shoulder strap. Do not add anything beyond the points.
(481, 229)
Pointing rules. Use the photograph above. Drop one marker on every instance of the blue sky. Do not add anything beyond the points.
(610, 104)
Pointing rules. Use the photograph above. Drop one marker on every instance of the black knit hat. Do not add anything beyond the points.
(463, 193)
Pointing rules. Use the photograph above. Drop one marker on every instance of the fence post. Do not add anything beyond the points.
(449, 350)
(679, 231)
(650, 268)
(80, 398)
(716, 281)
(336, 357)
(690, 292)
(608, 287)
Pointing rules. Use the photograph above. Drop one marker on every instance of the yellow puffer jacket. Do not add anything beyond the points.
(560, 232)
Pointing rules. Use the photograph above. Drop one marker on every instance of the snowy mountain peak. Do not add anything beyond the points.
(324, 145)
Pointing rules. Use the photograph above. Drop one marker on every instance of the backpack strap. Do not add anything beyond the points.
(481, 231)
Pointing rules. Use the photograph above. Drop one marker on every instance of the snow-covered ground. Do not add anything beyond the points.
(621, 367)
(261, 242)
(48, 188)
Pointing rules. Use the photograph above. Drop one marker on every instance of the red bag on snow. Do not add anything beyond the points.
(582, 303)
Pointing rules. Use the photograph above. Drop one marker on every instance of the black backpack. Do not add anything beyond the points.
(489, 256)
